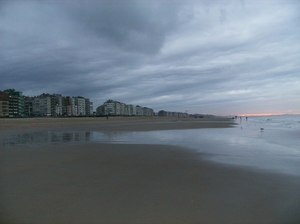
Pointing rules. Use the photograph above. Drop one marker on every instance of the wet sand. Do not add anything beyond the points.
(124, 183)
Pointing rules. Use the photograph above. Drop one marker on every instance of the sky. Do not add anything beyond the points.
(208, 57)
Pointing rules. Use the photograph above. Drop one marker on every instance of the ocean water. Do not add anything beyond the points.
(276, 148)
(289, 121)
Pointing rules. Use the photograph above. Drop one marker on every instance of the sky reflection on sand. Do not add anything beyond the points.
(231, 146)
(272, 149)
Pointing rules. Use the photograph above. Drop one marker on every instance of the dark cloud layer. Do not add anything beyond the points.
(219, 57)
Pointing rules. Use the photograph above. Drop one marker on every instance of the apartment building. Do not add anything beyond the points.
(100, 110)
(80, 103)
(91, 108)
(4, 104)
(131, 110)
(88, 107)
(74, 107)
(118, 108)
(123, 109)
(57, 105)
(139, 111)
(28, 106)
(42, 105)
(68, 106)
(112, 107)
(147, 111)
(172, 114)
(14, 101)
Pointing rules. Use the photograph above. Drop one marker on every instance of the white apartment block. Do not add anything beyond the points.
(139, 111)
(80, 103)
(74, 109)
(91, 108)
(123, 109)
(111, 107)
(131, 110)
(57, 105)
(118, 108)
(127, 110)
(57, 100)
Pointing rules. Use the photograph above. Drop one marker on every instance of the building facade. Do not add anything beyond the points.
(172, 114)
(14, 101)
(80, 104)
(4, 104)
(57, 105)
(42, 105)
(116, 108)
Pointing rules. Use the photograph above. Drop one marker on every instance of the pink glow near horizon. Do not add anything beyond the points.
(265, 114)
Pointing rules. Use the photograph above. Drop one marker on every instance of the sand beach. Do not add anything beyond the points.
(94, 182)
(112, 123)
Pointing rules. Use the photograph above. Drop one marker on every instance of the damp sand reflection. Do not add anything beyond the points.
(44, 138)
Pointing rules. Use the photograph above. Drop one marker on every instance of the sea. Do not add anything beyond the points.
(264, 143)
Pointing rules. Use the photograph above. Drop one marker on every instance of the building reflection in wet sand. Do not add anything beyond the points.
(45, 137)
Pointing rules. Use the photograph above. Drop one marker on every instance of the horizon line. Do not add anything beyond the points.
(267, 114)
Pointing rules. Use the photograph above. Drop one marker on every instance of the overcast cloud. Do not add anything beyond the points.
(216, 57)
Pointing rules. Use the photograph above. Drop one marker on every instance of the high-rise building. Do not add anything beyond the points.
(4, 104)
(88, 105)
(139, 110)
(68, 107)
(15, 103)
(28, 106)
(56, 105)
(147, 111)
(100, 110)
(112, 107)
(131, 110)
(91, 108)
(42, 105)
(74, 107)
(80, 103)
